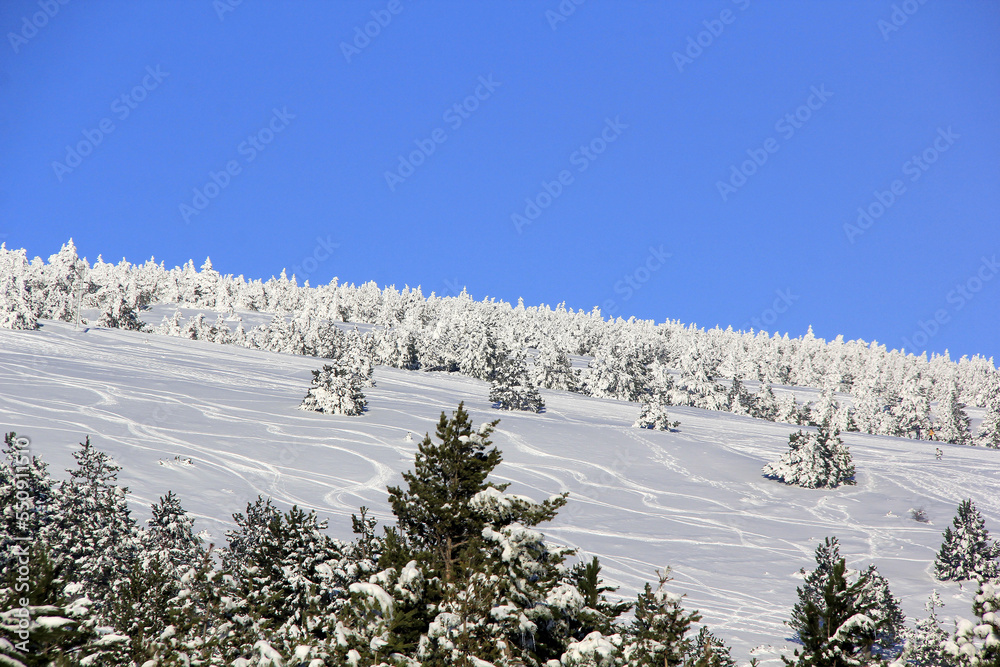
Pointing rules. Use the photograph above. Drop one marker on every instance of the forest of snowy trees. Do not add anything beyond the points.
(863, 386)
(465, 576)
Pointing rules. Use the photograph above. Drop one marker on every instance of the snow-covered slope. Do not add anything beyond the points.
(694, 500)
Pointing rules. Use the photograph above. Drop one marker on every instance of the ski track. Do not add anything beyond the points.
(641, 500)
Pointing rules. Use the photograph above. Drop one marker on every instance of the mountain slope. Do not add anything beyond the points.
(694, 499)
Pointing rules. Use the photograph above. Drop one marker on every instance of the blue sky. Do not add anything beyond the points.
(684, 160)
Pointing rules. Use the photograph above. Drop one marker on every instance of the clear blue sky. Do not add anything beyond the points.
(309, 114)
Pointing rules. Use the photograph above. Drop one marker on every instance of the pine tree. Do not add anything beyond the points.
(57, 625)
(653, 415)
(170, 531)
(967, 551)
(335, 390)
(709, 651)
(117, 312)
(833, 627)
(953, 424)
(925, 644)
(435, 511)
(94, 538)
(977, 643)
(740, 401)
(989, 429)
(511, 388)
(553, 370)
(658, 633)
(814, 460)
(884, 610)
(26, 496)
(765, 405)
(598, 612)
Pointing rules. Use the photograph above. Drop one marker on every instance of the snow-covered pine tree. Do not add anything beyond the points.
(814, 460)
(824, 409)
(60, 627)
(953, 422)
(285, 569)
(789, 411)
(598, 612)
(512, 389)
(653, 415)
(335, 390)
(617, 372)
(977, 643)
(26, 513)
(16, 309)
(739, 400)
(925, 643)
(94, 537)
(833, 626)
(553, 370)
(116, 311)
(913, 412)
(989, 429)
(170, 532)
(967, 551)
(884, 609)
(708, 650)
(765, 405)
(657, 636)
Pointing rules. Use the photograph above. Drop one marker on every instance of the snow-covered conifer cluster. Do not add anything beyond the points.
(814, 460)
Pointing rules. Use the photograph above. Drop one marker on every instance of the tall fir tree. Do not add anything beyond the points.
(989, 429)
(94, 537)
(953, 424)
(967, 551)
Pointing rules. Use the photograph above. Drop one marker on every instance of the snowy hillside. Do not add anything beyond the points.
(219, 424)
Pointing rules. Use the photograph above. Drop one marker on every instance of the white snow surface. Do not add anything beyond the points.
(694, 500)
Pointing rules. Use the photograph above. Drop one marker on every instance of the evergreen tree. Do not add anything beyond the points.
(170, 532)
(765, 405)
(834, 628)
(617, 372)
(989, 429)
(57, 625)
(709, 651)
(116, 311)
(658, 633)
(553, 370)
(512, 389)
(967, 551)
(94, 538)
(925, 644)
(435, 513)
(814, 460)
(869, 596)
(953, 426)
(335, 390)
(977, 643)
(653, 415)
(884, 610)
(740, 401)
(16, 310)
(27, 497)
(598, 612)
